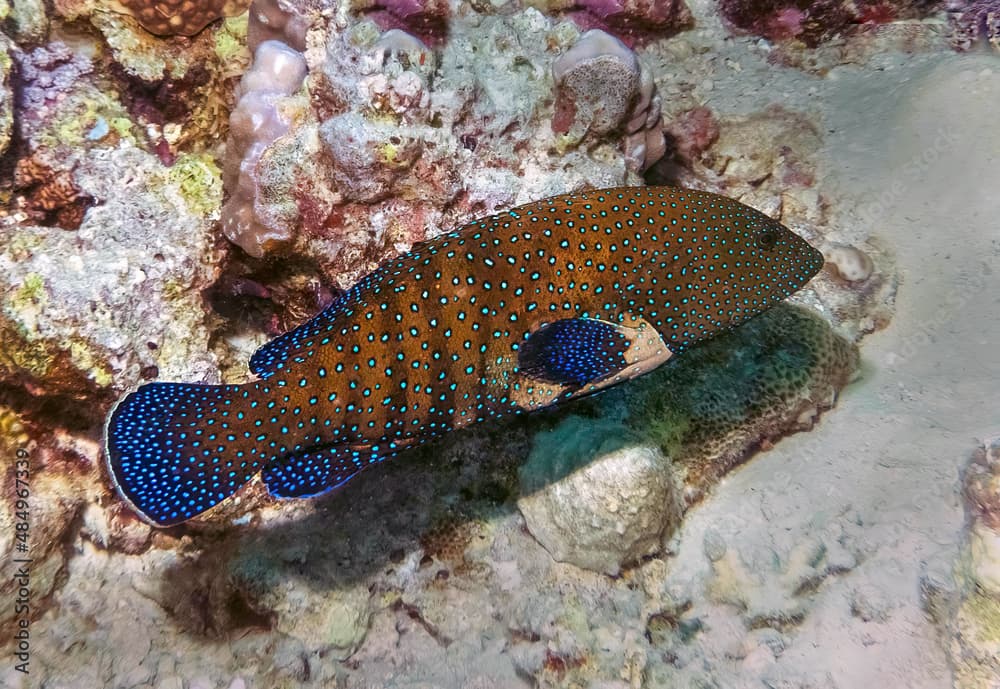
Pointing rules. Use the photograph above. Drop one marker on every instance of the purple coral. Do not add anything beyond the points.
(46, 75)
(632, 19)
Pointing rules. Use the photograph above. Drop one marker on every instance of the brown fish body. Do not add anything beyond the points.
(545, 302)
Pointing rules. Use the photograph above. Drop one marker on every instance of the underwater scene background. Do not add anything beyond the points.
(808, 500)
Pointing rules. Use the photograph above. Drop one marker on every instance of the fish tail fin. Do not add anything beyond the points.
(175, 450)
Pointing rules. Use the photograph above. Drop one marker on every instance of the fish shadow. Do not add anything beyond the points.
(419, 505)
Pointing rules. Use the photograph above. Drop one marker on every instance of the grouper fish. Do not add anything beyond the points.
(514, 312)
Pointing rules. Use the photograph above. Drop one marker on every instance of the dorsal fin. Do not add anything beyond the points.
(273, 356)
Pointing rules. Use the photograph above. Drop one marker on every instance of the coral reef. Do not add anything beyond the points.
(133, 309)
(610, 502)
(541, 552)
(603, 88)
(263, 113)
(387, 148)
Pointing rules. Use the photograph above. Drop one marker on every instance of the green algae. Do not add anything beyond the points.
(21, 355)
(78, 114)
(198, 180)
(231, 39)
(88, 362)
(30, 293)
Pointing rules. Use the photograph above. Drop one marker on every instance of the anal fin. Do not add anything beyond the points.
(319, 470)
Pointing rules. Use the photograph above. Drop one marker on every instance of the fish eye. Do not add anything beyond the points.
(767, 238)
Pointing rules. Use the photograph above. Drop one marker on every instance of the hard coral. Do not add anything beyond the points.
(602, 88)
(49, 197)
(261, 116)
(767, 378)
(177, 17)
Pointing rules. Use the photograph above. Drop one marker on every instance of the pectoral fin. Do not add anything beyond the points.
(579, 356)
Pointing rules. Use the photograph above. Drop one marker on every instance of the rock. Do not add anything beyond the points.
(59, 477)
(984, 554)
(615, 507)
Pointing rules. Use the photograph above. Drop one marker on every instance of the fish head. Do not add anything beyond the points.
(730, 273)
(771, 263)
